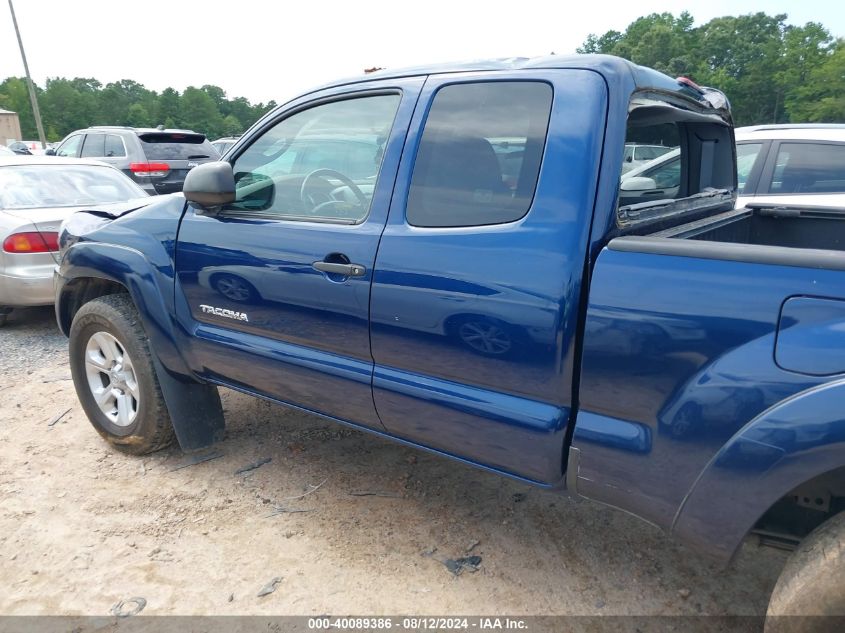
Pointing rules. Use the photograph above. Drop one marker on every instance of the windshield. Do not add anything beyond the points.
(170, 146)
(35, 186)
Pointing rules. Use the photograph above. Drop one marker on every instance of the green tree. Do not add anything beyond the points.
(167, 108)
(65, 107)
(14, 96)
(200, 113)
(231, 126)
(137, 116)
(764, 65)
(822, 96)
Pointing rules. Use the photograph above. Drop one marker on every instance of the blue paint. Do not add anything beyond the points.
(697, 391)
(811, 336)
(685, 348)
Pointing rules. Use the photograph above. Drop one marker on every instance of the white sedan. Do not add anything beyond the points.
(36, 195)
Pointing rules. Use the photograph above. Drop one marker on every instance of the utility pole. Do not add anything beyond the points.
(32, 96)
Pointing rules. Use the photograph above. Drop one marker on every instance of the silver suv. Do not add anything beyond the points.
(157, 159)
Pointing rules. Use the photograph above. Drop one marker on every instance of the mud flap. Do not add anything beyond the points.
(195, 409)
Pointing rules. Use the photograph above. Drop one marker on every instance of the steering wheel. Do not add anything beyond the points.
(318, 199)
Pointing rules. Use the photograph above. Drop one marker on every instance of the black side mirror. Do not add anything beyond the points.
(50, 152)
(210, 184)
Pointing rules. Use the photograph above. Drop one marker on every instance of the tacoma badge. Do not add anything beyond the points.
(229, 314)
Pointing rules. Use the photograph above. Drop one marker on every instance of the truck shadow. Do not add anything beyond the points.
(554, 554)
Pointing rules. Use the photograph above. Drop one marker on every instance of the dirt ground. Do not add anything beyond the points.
(83, 526)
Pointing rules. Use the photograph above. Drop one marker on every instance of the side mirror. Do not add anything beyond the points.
(629, 159)
(638, 183)
(210, 184)
(50, 152)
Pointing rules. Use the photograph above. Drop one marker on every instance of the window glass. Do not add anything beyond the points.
(666, 175)
(657, 177)
(35, 186)
(176, 146)
(809, 168)
(70, 147)
(319, 164)
(650, 152)
(746, 156)
(114, 146)
(479, 157)
(94, 146)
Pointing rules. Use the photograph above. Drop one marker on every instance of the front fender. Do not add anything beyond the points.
(792, 442)
(152, 295)
(136, 252)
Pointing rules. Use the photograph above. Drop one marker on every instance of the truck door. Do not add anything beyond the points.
(277, 284)
(478, 273)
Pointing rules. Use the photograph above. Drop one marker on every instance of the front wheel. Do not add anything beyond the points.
(114, 376)
(812, 583)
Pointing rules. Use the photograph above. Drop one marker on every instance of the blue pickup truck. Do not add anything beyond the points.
(444, 256)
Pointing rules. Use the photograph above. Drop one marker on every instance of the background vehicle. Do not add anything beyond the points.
(636, 154)
(157, 160)
(5, 151)
(27, 147)
(222, 145)
(790, 164)
(644, 313)
(36, 194)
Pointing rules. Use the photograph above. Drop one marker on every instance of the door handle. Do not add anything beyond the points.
(346, 270)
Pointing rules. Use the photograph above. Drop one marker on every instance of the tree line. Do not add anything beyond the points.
(771, 71)
(71, 104)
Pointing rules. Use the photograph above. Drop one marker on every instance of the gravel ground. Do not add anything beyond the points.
(350, 523)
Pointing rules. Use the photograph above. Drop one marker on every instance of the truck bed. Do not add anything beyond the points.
(793, 227)
(696, 337)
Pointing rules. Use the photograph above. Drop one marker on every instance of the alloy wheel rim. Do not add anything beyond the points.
(111, 379)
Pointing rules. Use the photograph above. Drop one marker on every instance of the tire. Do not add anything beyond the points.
(110, 355)
(812, 583)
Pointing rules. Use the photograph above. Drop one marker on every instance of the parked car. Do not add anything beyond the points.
(36, 194)
(639, 315)
(27, 147)
(637, 154)
(789, 164)
(222, 145)
(157, 160)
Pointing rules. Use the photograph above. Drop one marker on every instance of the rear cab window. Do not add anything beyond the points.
(176, 146)
(479, 157)
(693, 165)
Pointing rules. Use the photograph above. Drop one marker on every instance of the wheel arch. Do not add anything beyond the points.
(90, 270)
(797, 441)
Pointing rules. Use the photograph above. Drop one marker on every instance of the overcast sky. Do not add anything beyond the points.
(274, 49)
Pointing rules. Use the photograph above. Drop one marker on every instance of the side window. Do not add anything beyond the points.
(666, 175)
(809, 168)
(94, 146)
(70, 147)
(479, 156)
(746, 156)
(303, 167)
(114, 146)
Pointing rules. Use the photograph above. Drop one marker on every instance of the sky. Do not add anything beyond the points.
(275, 49)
